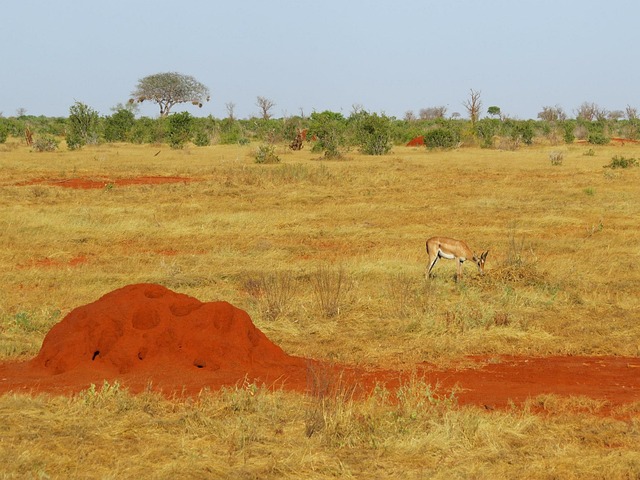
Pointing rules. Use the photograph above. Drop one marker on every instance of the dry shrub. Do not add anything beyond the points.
(46, 143)
(274, 292)
(525, 274)
(331, 287)
(519, 265)
(519, 251)
(401, 293)
(556, 158)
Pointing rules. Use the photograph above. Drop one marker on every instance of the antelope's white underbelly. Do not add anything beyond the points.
(450, 256)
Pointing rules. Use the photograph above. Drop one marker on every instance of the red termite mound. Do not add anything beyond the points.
(416, 142)
(148, 330)
(141, 326)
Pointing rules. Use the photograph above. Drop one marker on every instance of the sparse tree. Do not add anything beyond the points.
(552, 114)
(432, 113)
(129, 106)
(631, 112)
(615, 115)
(494, 111)
(169, 89)
(473, 106)
(265, 105)
(590, 112)
(409, 116)
(357, 108)
(230, 106)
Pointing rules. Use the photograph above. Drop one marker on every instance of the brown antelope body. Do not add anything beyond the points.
(452, 249)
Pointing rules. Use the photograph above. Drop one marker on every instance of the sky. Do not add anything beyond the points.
(383, 56)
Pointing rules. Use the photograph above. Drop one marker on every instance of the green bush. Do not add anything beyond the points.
(441, 137)
(82, 127)
(179, 129)
(519, 131)
(266, 154)
(622, 162)
(372, 132)
(231, 132)
(526, 132)
(568, 131)
(329, 129)
(117, 127)
(203, 131)
(487, 128)
(149, 130)
(202, 138)
(598, 138)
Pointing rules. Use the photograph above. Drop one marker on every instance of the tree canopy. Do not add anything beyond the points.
(169, 89)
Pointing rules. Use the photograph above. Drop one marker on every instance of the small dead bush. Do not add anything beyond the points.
(46, 143)
(331, 288)
(556, 158)
(274, 292)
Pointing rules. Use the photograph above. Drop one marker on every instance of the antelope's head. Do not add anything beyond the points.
(480, 261)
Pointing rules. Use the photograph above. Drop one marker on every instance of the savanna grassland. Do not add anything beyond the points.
(328, 258)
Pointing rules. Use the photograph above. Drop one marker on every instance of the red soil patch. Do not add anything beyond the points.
(53, 262)
(416, 142)
(104, 182)
(146, 336)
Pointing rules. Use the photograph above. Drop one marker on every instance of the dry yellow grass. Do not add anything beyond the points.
(246, 432)
(562, 278)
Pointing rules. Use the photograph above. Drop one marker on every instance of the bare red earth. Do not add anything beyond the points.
(104, 182)
(53, 262)
(148, 337)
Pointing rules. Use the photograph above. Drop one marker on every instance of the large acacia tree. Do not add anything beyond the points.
(168, 89)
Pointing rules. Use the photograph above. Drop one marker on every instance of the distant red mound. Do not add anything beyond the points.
(416, 142)
(146, 336)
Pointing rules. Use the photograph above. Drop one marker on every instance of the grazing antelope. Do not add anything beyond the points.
(443, 247)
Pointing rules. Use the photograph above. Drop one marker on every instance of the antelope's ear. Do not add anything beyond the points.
(484, 255)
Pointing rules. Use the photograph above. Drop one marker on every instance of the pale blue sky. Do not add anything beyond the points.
(386, 56)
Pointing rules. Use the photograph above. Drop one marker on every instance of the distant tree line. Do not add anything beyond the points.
(333, 133)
